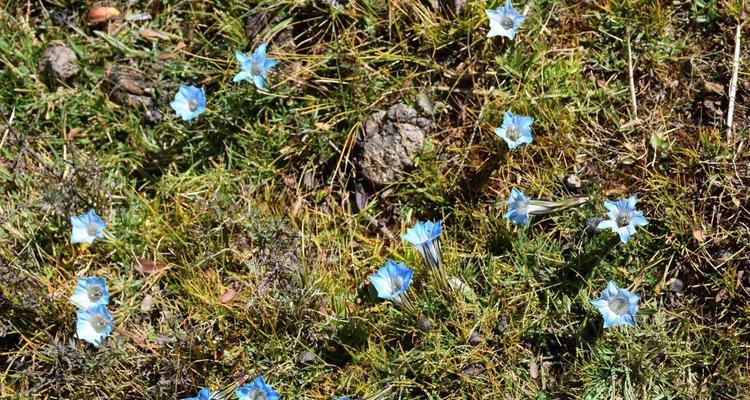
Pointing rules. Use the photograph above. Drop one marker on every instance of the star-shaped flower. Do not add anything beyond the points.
(392, 280)
(515, 130)
(504, 21)
(617, 306)
(189, 102)
(86, 228)
(90, 292)
(94, 324)
(254, 67)
(623, 218)
(258, 389)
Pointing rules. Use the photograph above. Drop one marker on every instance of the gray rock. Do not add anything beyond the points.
(677, 286)
(306, 357)
(502, 325)
(475, 338)
(389, 142)
(58, 65)
(424, 324)
(572, 182)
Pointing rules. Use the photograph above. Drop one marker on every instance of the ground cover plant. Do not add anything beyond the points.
(374, 199)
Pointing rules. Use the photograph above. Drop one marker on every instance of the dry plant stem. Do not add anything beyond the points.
(733, 82)
(633, 101)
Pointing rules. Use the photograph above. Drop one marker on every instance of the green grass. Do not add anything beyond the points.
(257, 195)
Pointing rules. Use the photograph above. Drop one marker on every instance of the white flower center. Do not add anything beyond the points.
(624, 218)
(396, 282)
(94, 292)
(514, 132)
(192, 105)
(257, 394)
(618, 305)
(522, 205)
(506, 22)
(98, 323)
(92, 228)
(256, 68)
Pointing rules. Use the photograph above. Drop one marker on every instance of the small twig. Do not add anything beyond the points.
(733, 83)
(634, 103)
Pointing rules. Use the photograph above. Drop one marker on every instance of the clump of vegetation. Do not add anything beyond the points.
(244, 238)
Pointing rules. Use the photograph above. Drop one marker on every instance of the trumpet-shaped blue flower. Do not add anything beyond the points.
(189, 102)
(424, 236)
(617, 306)
(623, 218)
(204, 394)
(392, 280)
(254, 67)
(257, 390)
(90, 292)
(86, 228)
(520, 207)
(504, 21)
(515, 130)
(94, 324)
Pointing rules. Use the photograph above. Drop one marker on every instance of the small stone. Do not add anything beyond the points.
(424, 324)
(58, 65)
(534, 370)
(592, 226)
(677, 286)
(475, 338)
(389, 142)
(572, 182)
(401, 113)
(306, 357)
(502, 325)
(147, 304)
(472, 370)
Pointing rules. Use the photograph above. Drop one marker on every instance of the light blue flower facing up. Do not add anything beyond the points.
(86, 228)
(504, 21)
(204, 394)
(623, 218)
(515, 130)
(189, 102)
(254, 67)
(257, 390)
(425, 238)
(90, 292)
(94, 324)
(392, 280)
(617, 306)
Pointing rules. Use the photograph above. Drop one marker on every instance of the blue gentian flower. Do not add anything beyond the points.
(257, 390)
(94, 324)
(617, 306)
(623, 218)
(204, 394)
(90, 292)
(189, 102)
(424, 236)
(87, 227)
(392, 280)
(504, 21)
(255, 67)
(515, 130)
(520, 207)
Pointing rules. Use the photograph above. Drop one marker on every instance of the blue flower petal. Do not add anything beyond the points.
(93, 325)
